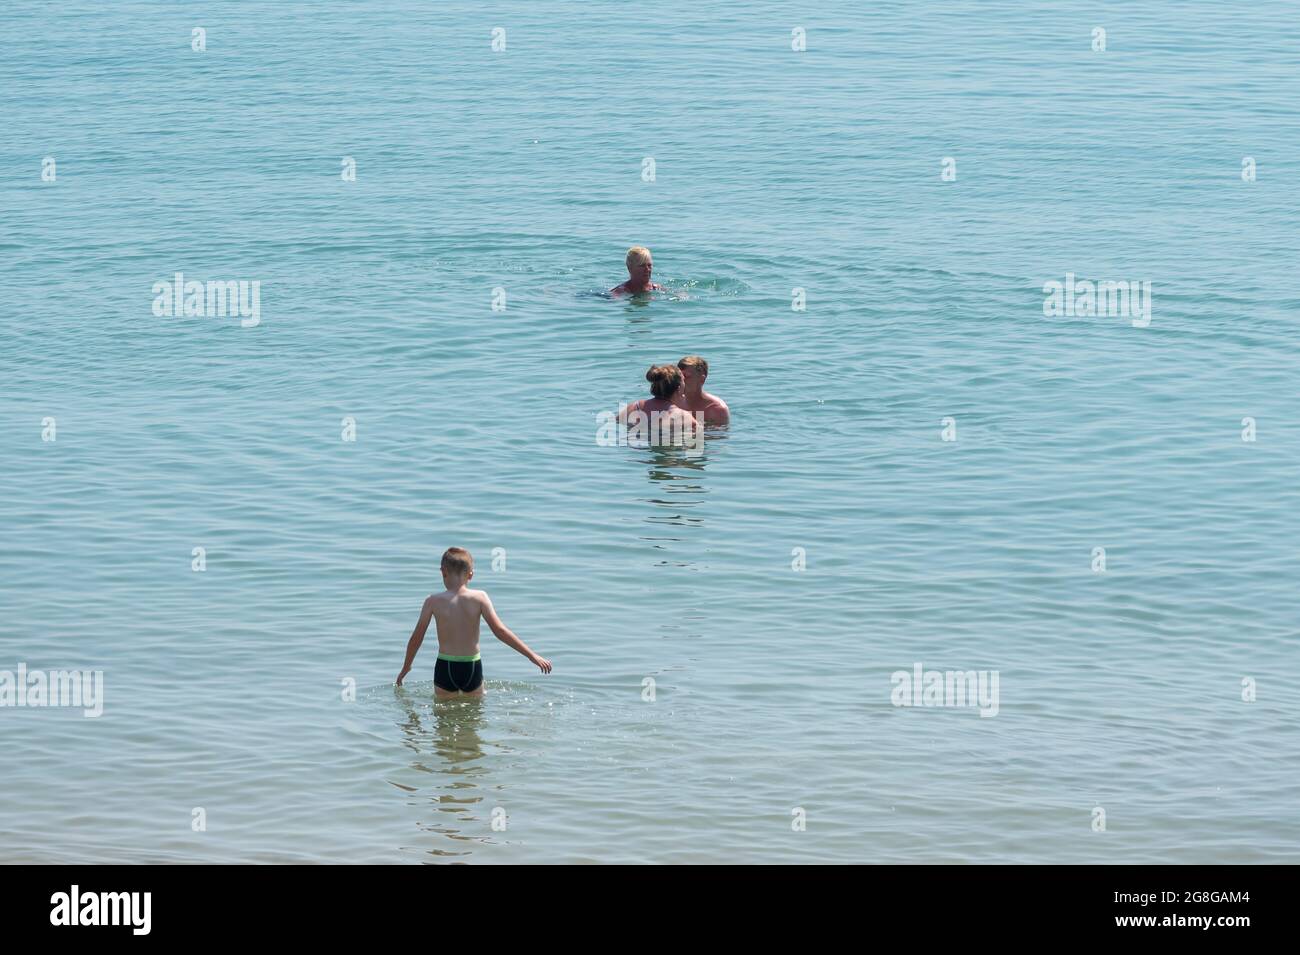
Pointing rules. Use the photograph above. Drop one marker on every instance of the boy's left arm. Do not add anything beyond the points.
(417, 638)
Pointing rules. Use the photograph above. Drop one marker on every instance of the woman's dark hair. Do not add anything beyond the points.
(664, 380)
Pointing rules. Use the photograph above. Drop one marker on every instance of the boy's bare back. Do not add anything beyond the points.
(457, 615)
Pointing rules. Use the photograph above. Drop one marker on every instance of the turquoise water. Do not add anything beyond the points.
(774, 170)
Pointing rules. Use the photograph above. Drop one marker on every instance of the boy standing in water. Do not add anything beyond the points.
(639, 267)
(692, 396)
(459, 670)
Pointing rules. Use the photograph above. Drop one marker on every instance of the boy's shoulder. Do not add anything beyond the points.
(445, 596)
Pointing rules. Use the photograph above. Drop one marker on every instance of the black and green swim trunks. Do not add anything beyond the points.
(452, 673)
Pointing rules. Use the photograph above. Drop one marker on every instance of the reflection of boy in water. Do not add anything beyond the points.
(693, 398)
(639, 267)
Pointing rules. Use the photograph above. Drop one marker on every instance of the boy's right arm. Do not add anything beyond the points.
(504, 634)
(417, 638)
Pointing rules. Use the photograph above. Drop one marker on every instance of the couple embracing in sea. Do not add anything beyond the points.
(677, 410)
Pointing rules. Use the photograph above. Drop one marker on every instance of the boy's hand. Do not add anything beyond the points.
(543, 664)
(400, 677)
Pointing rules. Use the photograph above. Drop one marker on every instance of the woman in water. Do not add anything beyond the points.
(656, 419)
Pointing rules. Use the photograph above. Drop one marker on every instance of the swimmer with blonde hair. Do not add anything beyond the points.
(693, 398)
(639, 267)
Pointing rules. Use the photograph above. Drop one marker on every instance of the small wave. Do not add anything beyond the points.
(676, 291)
(712, 285)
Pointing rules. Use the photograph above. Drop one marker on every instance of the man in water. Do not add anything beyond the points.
(639, 267)
(693, 398)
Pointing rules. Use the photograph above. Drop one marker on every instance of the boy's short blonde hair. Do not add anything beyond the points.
(638, 253)
(457, 562)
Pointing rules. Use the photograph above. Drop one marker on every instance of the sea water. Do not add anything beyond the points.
(857, 213)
